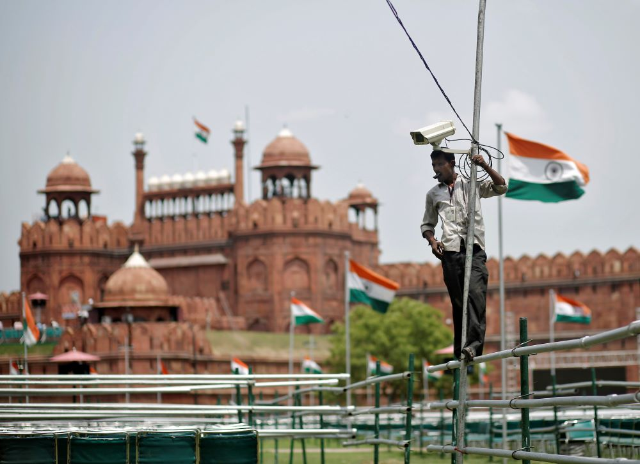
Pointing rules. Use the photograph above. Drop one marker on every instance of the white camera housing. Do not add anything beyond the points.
(433, 134)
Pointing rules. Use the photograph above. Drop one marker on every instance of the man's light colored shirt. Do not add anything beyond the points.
(451, 210)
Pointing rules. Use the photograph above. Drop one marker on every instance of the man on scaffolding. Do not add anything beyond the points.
(447, 202)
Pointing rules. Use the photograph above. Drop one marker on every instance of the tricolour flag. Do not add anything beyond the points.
(310, 366)
(13, 368)
(385, 368)
(370, 288)
(92, 371)
(303, 314)
(242, 368)
(163, 368)
(430, 375)
(203, 131)
(482, 374)
(568, 310)
(31, 331)
(543, 173)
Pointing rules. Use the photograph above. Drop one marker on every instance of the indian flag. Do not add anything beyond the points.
(13, 368)
(568, 310)
(203, 131)
(31, 331)
(543, 173)
(303, 314)
(242, 368)
(92, 370)
(163, 368)
(365, 286)
(482, 375)
(385, 368)
(430, 375)
(310, 366)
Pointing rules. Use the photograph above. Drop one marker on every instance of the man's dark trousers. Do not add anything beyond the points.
(453, 271)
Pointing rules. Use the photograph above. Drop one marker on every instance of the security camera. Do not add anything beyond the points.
(433, 134)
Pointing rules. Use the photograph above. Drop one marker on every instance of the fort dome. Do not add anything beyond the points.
(285, 150)
(361, 194)
(68, 176)
(136, 281)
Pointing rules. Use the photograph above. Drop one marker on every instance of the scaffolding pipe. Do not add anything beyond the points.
(377, 379)
(377, 441)
(226, 377)
(630, 330)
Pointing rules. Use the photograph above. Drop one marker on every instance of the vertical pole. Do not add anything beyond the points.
(407, 436)
(442, 424)
(347, 334)
(471, 229)
(454, 414)
(490, 420)
(238, 397)
(158, 371)
(320, 400)
(376, 424)
(304, 447)
(425, 398)
(524, 389)
(25, 327)
(503, 322)
(596, 422)
(275, 461)
(292, 326)
(552, 323)
(556, 431)
(126, 363)
(250, 398)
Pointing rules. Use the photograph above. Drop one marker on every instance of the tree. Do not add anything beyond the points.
(408, 326)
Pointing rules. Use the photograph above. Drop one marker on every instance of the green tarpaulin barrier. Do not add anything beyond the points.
(28, 449)
(163, 447)
(227, 448)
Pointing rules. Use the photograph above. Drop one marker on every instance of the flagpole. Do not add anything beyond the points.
(292, 325)
(346, 325)
(25, 327)
(503, 322)
(158, 371)
(552, 323)
(425, 382)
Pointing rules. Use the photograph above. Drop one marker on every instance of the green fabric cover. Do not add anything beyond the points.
(98, 449)
(26, 449)
(165, 447)
(229, 448)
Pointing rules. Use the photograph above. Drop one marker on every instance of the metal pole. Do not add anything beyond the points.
(442, 425)
(503, 321)
(471, 222)
(347, 334)
(454, 415)
(25, 327)
(238, 398)
(490, 420)
(596, 422)
(275, 459)
(159, 371)
(304, 447)
(292, 325)
(250, 399)
(408, 433)
(524, 389)
(555, 415)
(126, 363)
(552, 323)
(376, 425)
(320, 400)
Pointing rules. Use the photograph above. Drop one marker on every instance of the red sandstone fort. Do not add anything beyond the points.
(198, 256)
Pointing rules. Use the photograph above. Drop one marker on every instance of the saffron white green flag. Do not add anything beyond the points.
(310, 366)
(543, 173)
(203, 131)
(31, 331)
(370, 288)
(569, 310)
(303, 314)
(385, 368)
(13, 368)
(430, 375)
(242, 368)
(482, 374)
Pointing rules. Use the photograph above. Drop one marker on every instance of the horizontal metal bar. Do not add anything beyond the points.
(181, 376)
(523, 455)
(377, 441)
(329, 433)
(20, 408)
(27, 381)
(378, 379)
(599, 383)
(293, 383)
(107, 391)
(382, 410)
(521, 403)
(635, 433)
(584, 342)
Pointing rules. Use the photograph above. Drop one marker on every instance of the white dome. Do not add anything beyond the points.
(188, 180)
(139, 138)
(153, 184)
(68, 160)
(238, 126)
(201, 178)
(176, 181)
(212, 177)
(224, 176)
(165, 182)
(285, 132)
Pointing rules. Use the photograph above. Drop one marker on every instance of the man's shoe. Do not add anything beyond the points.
(468, 353)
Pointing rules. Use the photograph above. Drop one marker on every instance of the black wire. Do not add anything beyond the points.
(395, 13)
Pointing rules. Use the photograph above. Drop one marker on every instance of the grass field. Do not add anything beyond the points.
(267, 345)
(17, 349)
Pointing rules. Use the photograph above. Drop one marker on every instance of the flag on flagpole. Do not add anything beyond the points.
(243, 369)
(482, 374)
(385, 368)
(370, 288)
(543, 173)
(13, 368)
(203, 131)
(569, 310)
(310, 366)
(430, 375)
(302, 314)
(31, 331)
(163, 368)
(92, 371)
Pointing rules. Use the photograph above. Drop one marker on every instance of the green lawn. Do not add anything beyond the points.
(17, 349)
(267, 345)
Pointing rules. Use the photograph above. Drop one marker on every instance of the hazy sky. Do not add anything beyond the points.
(84, 76)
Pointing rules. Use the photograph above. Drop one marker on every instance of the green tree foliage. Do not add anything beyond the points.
(409, 326)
